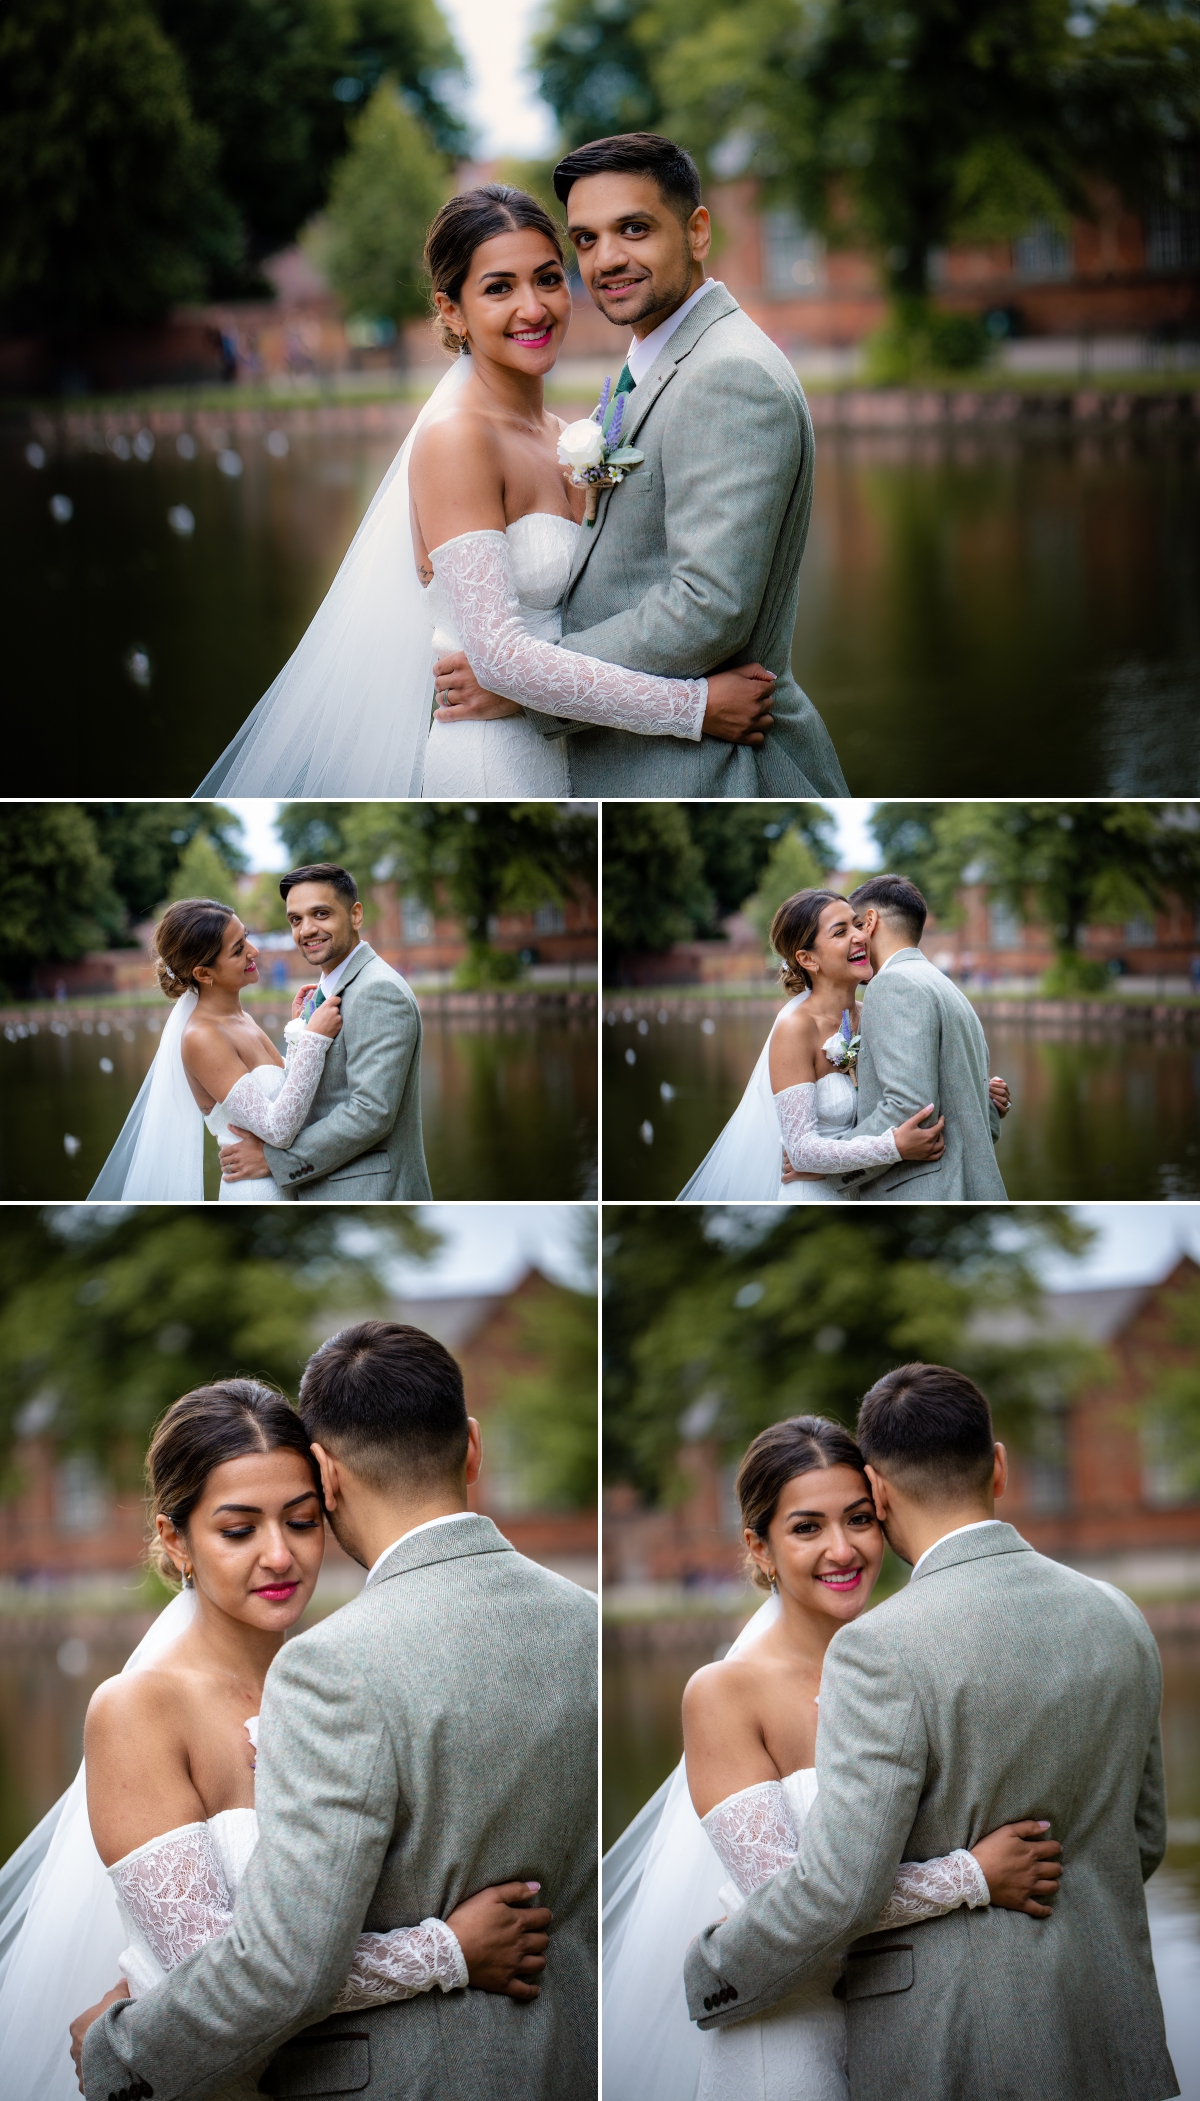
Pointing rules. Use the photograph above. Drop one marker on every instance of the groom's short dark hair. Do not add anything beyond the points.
(339, 879)
(389, 1401)
(895, 899)
(928, 1429)
(635, 153)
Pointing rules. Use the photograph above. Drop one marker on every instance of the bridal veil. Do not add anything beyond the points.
(661, 1888)
(159, 1156)
(348, 716)
(746, 1162)
(60, 1930)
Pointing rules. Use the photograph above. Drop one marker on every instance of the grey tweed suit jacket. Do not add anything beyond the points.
(435, 1736)
(998, 1685)
(362, 1141)
(693, 564)
(922, 1041)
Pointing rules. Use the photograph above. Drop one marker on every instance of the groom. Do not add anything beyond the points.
(998, 1684)
(362, 1141)
(434, 1738)
(922, 1042)
(693, 563)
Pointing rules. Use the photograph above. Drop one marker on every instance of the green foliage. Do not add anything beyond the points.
(107, 1315)
(56, 893)
(737, 839)
(792, 866)
(654, 887)
(263, 911)
(549, 1418)
(1172, 1419)
(1072, 976)
(143, 843)
(313, 831)
(595, 68)
(202, 872)
(384, 194)
(718, 1321)
(919, 340)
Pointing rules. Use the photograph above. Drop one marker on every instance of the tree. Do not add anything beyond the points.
(654, 887)
(550, 1418)
(108, 1314)
(144, 842)
(594, 66)
(718, 1321)
(313, 831)
(202, 872)
(110, 204)
(791, 866)
(480, 860)
(56, 894)
(1063, 865)
(384, 194)
(737, 839)
(1173, 1413)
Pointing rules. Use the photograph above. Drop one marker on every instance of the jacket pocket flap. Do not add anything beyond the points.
(871, 1972)
(365, 1164)
(318, 2064)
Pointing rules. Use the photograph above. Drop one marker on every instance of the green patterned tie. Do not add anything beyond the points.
(626, 383)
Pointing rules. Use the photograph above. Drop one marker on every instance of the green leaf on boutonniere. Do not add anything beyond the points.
(625, 456)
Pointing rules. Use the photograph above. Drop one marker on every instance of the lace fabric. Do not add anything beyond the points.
(475, 574)
(796, 1108)
(278, 1121)
(754, 1835)
(175, 1894)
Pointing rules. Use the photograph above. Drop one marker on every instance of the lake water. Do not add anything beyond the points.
(642, 1743)
(1091, 1119)
(977, 615)
(508, 1104)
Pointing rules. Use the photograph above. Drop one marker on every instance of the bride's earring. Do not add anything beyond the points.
(185, 1577)
(774, 1584)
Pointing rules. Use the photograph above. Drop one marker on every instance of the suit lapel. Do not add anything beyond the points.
(358, 961)
(714, 307)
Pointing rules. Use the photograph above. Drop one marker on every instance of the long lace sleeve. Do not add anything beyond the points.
(400, 1964)
(796, 1108)
(476, 575)
(754, 1836)
(278, 1121)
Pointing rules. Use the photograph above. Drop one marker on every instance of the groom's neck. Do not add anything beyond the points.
(888, 944)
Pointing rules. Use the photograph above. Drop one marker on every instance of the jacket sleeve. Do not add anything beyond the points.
(905, 1040)
(872, 1756)
(1150, 1816)
(382, 1034)
(329, 1805)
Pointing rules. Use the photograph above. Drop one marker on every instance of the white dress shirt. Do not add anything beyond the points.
(974, 1526)
(451, 1517)
(642, 353)
(331, 979)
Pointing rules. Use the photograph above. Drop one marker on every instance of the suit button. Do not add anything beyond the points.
(707, 2009)
(732, 1992)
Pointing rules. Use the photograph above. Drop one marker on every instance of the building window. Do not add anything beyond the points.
(1004, 926)
(417, 919)
(1168, 1479)
(1173, 221)
(1044, 252)
(1140, 933)
(1047, 1469)
(550, 919)
(81, 1500)
(793, 257)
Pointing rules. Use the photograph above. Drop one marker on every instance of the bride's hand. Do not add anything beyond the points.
(83, 2021)
(327, 1020)
(460, 696)
(998, 1089)
(503, 1938)
(916, 1142)
(1021, 1866)
(739, 704)
(305, 992)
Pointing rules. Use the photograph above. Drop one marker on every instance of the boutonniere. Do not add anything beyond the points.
(294, 1029)
(841, 1049)
(592, 449)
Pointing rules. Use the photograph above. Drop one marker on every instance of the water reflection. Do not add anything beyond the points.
(642, 1742)
(976, 615)
(508, 1105)
(1092, 1118)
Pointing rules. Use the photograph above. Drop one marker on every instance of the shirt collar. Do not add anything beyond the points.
(451, 1517)
(641, 354)
(975, 1526)
(330, 978)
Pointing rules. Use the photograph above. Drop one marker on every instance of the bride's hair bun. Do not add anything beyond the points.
(794, 926)
(204, 1429)
(803, 1444)
(187, 938)
(462, 224)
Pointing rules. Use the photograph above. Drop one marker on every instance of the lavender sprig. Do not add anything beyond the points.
(618, 417)
(605, 393)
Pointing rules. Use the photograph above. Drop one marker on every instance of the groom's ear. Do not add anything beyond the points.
(879, 1490)
(330, 1482)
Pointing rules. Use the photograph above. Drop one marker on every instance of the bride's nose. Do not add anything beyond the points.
(276, 1552)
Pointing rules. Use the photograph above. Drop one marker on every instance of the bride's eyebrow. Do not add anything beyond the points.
(256, 1509)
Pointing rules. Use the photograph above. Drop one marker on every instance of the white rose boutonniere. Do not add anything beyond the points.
(841, 1049)
(294, 1029)
(592, 449)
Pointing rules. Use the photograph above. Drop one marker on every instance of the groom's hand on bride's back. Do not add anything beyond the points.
(1021, 1866)
(503, 1936)
(916, 1140)
(739, 705)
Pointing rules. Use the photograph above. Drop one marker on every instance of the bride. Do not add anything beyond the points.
(214, 1066)
(731, 1814)
(467, 546)
(148, 1846)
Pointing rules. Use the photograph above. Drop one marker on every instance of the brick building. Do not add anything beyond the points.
(1092, 1489)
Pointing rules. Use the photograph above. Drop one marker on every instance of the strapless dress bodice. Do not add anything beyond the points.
(509, 757)
(268, 1079)
(837, 1103)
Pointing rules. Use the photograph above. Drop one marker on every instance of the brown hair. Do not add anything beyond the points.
(201, 1431)
(329, 872)
(635, 153)
(188, 938)
(896, 900)
(463, 224)
(803, 1444)
(388, 1399)
(928, 1429)
(794, 926)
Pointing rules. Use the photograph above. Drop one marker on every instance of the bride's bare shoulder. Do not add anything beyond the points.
(144, 1699)
(460, 439)
(718, 1691)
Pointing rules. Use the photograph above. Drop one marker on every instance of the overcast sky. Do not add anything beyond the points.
(507, 115)
(489, 1247)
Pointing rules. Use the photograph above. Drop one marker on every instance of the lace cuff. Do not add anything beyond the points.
(400, 1964)
(175, 1893)
(752, 1834)
(475, 573)
(279, 1121)
(926, 1889)
(796, 1108)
